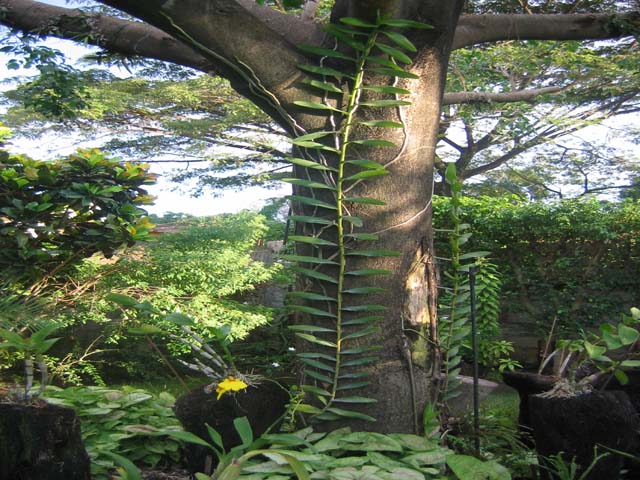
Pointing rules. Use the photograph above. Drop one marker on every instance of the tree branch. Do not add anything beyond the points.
(116, 35)
(504, 97)
(475, 29)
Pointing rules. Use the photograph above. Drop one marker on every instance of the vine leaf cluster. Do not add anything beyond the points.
(328, 167)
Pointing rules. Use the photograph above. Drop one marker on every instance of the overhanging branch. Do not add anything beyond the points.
(505, 97)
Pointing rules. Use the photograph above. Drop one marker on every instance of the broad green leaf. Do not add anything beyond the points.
(316, 106)
(622, 377)
(400, 40)
(399, 55)
(355, 399)
(216, 438)
(363, 320)
(308, 184)
(386, 103)
(326, 86)
(178, 318)
(387, 89)
(373, 142)
(350, 414)
(594, 351)
(364, 290)
(400, 23)
(311, 311)
(308, 219)
(374, 253)
(187, 437)
(368, 174)
(395, 73)
(356, 22)
(628, 335)
(310, 328)
(314, 202)
(314, 339)
(318, 364)
(360, 333)
(315, 274)
(132, 472)
(309, 164)
(368, 164)
(364, 200)
(311, 240)
(316, 390)
(311, 296)
(630, 363)
(308, 259)
(362, 236)
(370, 442)
(368, 271)
(318, 376)
(381, 123)
(324, 52)
(363, 308)
(305, 408)
(481, 254)
(122, 300)
(355, 221)
(243, 427)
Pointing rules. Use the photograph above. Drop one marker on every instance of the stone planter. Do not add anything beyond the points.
(575, 424)
(40, 441)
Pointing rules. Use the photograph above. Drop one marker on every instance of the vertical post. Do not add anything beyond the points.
(474, 339)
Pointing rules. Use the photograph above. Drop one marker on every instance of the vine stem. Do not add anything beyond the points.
(352, 107)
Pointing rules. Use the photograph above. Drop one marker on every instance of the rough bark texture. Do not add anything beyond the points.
(41, 442)
(575, 425)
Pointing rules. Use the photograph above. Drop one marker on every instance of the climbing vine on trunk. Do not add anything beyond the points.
(334, 238)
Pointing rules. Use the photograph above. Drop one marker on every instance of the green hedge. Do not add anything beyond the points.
(577, 259)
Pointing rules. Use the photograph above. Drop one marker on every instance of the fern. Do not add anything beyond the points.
(331, 237)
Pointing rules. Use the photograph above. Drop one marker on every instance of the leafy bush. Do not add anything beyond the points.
(125, 422)
(575, 259)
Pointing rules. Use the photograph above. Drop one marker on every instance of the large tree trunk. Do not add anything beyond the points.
(400, 382)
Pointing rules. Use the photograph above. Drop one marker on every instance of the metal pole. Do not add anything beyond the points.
(474, 339)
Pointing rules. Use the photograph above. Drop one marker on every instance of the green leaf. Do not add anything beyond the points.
(368, 174)
(187, 437)
(318, 364)
(350, 414)
(355, 399)
(308, 259)
(594, 351)
(316, 106)
(364, 308)
(373, 142)
(381, 124)
(360, 333)
(145, 329)
(622, 377)
(326, 86)
(355, 221)
(400, 23)
(316, 355)
(466, 256)
(400, 40)
(364, 200)
(308, 219)
(386, 103)
(628, 335)
(316, 390)
(368, 271)
(387, 89)
(311, 311)
(356, 22)
(364, 290)
(132, 472)
(466, 467)
(216, 438)
(363, 320)
(316, 340)
(324, 52)
(308, 164)
(374, 253)
(311, 296)
(362, 236)
(630, 363)
(360, 361)
(178, 318)
(243, 427)
(313, 136)
(318, 376)
(395, 73)
(305, 408)
(310, 328)
(122, 300)
(311, 201)
(311, 240)
(394, 53)
(308, 184)
(368, 164)
(315, 274)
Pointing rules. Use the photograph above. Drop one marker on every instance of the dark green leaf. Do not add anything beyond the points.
(360, 361)
(316, 390)
(350, 414)
(364, 308)
(315, 274)
(318, 364)
(315, 106)
(314, 339)
(310, 328)
(381, 124)
(311, 201)
(362, 236)
(368, 174)
(368, 164)
(401, 41)
(355, 221)
(387, 89)
(308, 219)
(308, 259)
(395, 73)
(308, 184)
(356, 400)
(360, 333)
(385, 103)
(373, 142)
(399, 23)
(318, 376)
(326, 86)
(395, 53)
(364, 290)
(324, 52)
(310, 310)
(312, 240)
(329, 72)
(311, 296)
(356, 22)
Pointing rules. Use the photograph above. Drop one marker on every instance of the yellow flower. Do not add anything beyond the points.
(230, 384)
